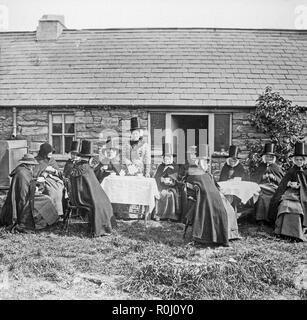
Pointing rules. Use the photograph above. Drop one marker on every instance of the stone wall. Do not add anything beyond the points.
(6, 123)
(95, 123)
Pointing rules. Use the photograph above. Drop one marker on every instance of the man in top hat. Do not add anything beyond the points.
(169, 204)
(288, 207)
(136, 154)
(18, 207)
(74, 150)
(87, 192)
(268, 175)
(110, 162)
(232, 168)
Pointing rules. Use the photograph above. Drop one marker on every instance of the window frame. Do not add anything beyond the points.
(61, 156)
(216, 153)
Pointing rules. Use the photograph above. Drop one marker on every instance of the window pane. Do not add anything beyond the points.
(157, 127)
(221, 132)
(57, 118)
(68, 141)
(69, 128)
(56, 128)
(69, 118)
(57, 144)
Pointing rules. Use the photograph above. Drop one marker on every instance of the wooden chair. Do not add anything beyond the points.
(74, 211)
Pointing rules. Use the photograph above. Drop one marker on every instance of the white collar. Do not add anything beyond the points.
(228, 162)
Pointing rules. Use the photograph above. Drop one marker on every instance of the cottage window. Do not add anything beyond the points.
(222, 130)
(62, 129)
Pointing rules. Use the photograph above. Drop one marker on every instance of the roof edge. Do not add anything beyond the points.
(169, 29)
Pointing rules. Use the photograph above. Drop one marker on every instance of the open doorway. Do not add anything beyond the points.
(188, 130)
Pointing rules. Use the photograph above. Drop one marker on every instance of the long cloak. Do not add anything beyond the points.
(54, 185)
(68, 167)
(210, 222)
(87, 192)
(229, 172)
(294, 174)
(268, 188)
(169, 204)
(17, 209)
(112, 166)
(43, 163)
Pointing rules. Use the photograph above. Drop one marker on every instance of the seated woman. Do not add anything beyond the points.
(88, 194)
(208, 215)
(268, 175)
(44, 211)
(24, 209)
(168, 206)
(233, 168)
(110, 163)
(288, 207)
(49, 169)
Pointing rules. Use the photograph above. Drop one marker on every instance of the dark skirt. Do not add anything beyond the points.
(167, 207)
(289, 221)
(263, 203)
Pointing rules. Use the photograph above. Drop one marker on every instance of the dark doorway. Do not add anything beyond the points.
(188, 130)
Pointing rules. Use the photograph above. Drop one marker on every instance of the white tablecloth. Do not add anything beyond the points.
(244, 190)
(131, 190)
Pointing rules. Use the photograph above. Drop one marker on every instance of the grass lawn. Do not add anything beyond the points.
(134, 263)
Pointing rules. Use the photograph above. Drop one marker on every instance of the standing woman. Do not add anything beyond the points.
(136, 154)
(49, 169)
(288, 207)
(268, 175)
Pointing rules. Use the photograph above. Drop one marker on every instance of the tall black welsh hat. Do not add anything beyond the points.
(269, 149)
(233, 151)
(74, 147)
(167, 149)
(135, 124)
(86, 149)
(299, 150)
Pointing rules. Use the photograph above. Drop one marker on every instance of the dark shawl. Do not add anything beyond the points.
(87, 192)
(101, 173)
(17, 209)
(210, 223)
(238, 171)
(171, 169)
(43, 163)
(294, 174)
(68, 167)
(263, 169)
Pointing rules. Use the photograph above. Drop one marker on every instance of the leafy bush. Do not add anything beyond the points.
(281, 121)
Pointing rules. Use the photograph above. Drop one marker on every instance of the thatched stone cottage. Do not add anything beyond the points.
(57, 84)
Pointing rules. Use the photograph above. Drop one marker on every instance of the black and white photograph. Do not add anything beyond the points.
(153, 153)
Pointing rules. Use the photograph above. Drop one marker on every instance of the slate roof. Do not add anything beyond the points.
(152, 67)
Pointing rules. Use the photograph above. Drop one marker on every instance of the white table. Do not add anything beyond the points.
(132, 190)
(244, 190)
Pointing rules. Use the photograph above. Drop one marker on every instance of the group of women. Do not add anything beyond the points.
(281, 202)
(188, 192)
